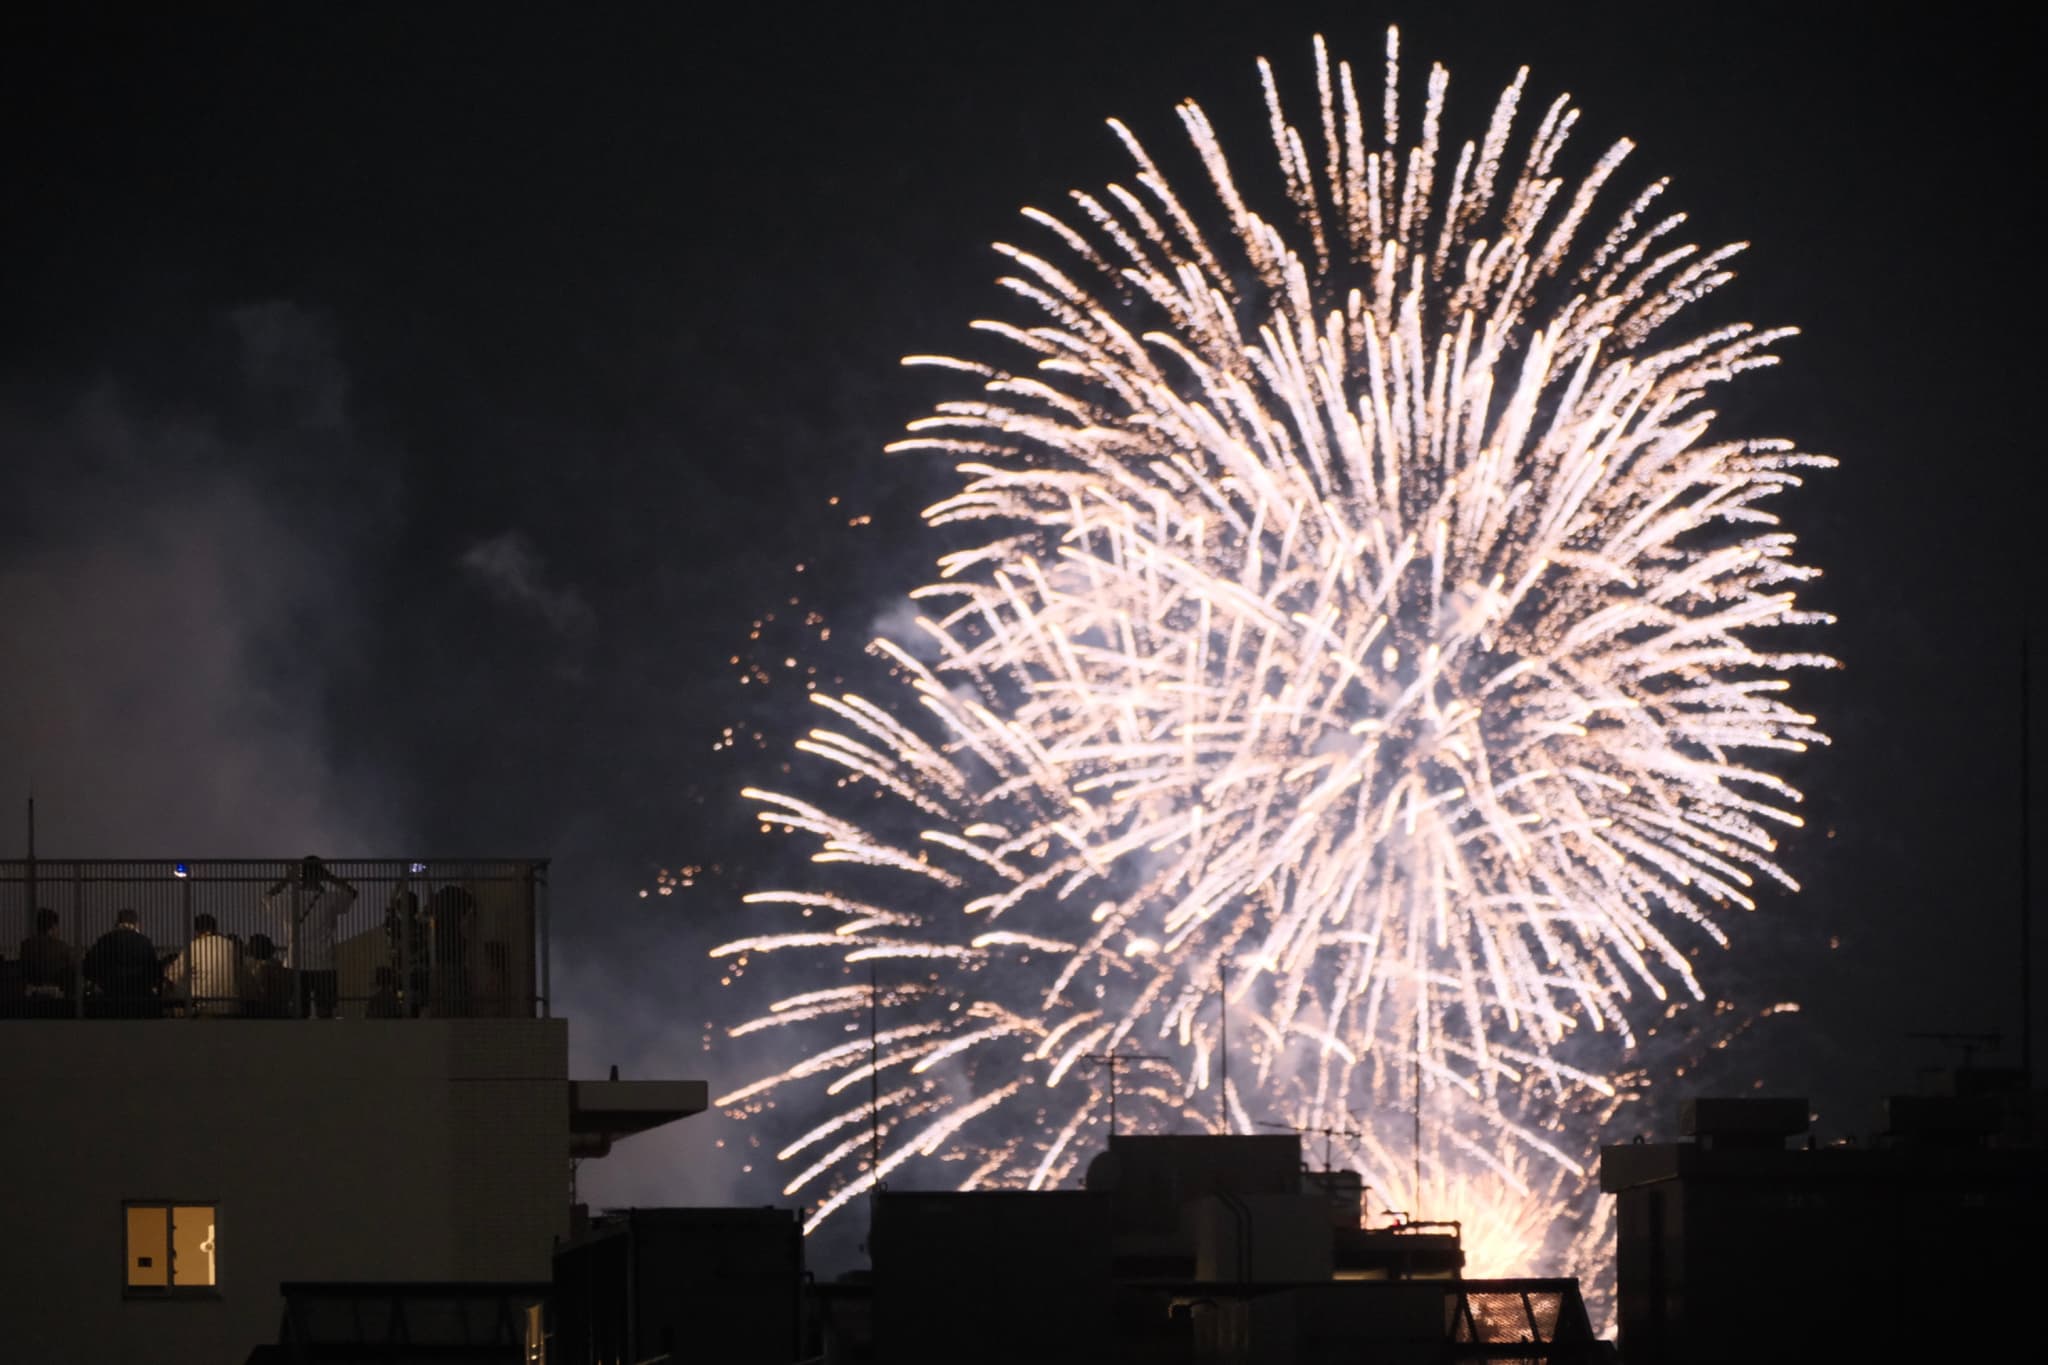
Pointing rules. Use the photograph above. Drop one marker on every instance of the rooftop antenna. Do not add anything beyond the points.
(1966, 1043)
(1110, 1060)
(1223, 1035)
(1328, 1135)
(874, 1105)
(1416, 1139)
(874, 1086)
(29, 870)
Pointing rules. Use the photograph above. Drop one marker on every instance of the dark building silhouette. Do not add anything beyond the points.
(722, 1285)
(1183, 1250)
(949, 1266)
(1921, 1245)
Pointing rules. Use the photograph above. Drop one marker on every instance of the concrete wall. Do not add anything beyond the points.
(334, 1149)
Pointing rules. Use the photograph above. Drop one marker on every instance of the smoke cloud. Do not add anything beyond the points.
(173, 619)
(508, 568)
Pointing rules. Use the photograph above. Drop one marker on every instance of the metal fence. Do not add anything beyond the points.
(273, 938)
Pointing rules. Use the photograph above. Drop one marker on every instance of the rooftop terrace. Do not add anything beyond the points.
(276, 938)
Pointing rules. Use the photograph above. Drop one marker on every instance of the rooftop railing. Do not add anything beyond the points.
(273, 938)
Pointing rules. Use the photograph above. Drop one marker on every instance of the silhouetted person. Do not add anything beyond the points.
(209, 971)
(405, 930)
(266, 985)
(48, 965)
(384, 1003)
(122, 964)
(306, 906)
(452, 911)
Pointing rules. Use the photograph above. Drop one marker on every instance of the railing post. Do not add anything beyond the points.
(437, 979)
(403, 917)
(77, 946)
(292, 948)
(537, 896)
(186, 955)
(30, 900)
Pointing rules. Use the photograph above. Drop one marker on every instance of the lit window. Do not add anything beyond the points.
(171, 1249)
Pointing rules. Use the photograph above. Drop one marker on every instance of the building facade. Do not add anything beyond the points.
(225, 1078)
(169, 1176)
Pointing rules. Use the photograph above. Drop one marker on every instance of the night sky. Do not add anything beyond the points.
(407, 420)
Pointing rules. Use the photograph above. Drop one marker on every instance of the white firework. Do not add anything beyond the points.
(1365, 613)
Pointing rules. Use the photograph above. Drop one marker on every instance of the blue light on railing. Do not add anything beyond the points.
(417, 868)
(180, 870)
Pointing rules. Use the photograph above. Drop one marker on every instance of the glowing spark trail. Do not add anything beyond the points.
(1363, 594)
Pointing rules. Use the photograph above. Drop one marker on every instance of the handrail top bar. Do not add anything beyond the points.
(268, 862)
(232, 870)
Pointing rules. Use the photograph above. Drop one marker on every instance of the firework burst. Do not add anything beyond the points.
(1365, 627)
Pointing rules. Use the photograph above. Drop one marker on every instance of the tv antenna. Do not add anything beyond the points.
(1967, 1043)
(1416, 1138)
(1112, 1060)
(1328, 1135)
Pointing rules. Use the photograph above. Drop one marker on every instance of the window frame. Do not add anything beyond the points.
(171, 1290)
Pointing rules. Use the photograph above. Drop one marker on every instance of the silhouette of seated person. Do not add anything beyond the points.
(267, 986)
(208, 972)
(384, 1002)
(122, 967)
(49, 967)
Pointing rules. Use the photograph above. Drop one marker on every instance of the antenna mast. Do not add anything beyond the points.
(1329, 1136)
(1110, 1060)
(29, 871)
(1223, 1038)
(1417, 1139)
(2026, 862)
(874, 1087)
